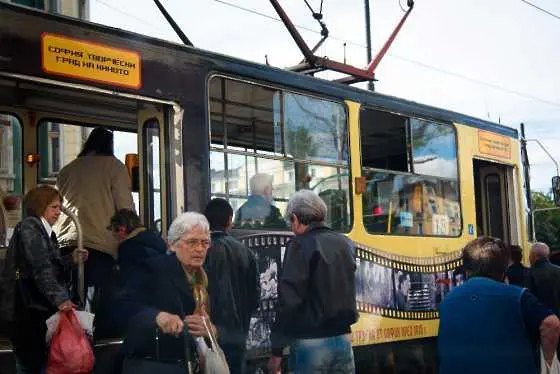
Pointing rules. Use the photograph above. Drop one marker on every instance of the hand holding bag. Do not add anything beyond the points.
(214, 358)
(70, 351)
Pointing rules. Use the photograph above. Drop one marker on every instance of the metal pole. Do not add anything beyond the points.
(80, 245)
(371, 85)
(548, 153)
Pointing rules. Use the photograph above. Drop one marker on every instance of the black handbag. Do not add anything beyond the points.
(12, 305)
(146, 365)
(19, 294)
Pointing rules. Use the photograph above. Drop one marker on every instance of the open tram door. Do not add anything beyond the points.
(494, 200)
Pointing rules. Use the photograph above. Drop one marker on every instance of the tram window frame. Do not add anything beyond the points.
(431, 186)
(16, 155)
(276, 150)
(11, 170)
(151, 222)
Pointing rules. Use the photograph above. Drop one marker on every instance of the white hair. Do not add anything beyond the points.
(184, 223)
(307, 206)
(540, 250)
(259, 182)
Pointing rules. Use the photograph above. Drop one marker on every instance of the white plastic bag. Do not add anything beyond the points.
(85, 319)
(554, 368)
(213, 357)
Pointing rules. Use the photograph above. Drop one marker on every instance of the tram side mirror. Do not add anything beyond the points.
(133, 167)
(556, 190)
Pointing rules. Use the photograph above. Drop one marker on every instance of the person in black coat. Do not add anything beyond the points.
(169, 295)
(43, 277)
(232, 284)
(545, 277)
(517, 274)
(136, 244)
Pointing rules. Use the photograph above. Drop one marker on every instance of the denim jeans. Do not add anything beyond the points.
(322, 356)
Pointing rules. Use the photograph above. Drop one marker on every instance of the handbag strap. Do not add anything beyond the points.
(211, 335)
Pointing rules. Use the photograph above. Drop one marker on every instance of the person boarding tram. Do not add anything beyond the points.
(94, 186)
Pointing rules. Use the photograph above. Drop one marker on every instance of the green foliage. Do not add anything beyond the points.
(547, 223)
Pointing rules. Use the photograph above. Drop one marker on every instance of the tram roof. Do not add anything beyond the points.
(219, 63)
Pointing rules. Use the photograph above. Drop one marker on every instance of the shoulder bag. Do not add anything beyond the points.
(214, 358)
(144, 365)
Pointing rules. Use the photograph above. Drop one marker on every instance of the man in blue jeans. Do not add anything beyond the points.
(317, 294)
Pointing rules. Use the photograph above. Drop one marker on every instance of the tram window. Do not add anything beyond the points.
(10, 155)
(152, 211)
(248, 114)
(383, 137)
(420, 199)
(433, 149)
(298, 141)
(10, 174)
(411, 204)
(315, 130)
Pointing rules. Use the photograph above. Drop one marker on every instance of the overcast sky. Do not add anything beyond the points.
(493, 59)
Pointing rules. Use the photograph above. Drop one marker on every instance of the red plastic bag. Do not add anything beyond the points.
(70, 351)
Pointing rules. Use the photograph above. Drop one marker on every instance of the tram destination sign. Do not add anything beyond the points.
(494, 145)
(89, 61)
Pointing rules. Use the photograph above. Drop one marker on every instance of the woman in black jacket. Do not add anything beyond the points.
(43, 277)
(168, 296)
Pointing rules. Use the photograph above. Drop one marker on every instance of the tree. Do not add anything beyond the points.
(547, 223)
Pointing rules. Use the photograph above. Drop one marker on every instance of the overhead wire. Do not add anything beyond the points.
(129, 15)
(541, 9)
(350, 42)
(406, 59)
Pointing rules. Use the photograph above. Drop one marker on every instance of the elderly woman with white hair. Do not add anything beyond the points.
(168, 298)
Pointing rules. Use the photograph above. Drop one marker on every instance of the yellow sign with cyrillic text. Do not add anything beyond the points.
(89, 61)
(494, 145)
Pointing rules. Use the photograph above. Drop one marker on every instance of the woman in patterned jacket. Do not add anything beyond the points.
(43, 275)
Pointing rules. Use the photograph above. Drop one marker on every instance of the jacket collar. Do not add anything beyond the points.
(541, 263)
(316, 226)
(135, 232)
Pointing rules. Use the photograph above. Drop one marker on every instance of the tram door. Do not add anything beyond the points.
(494, 200)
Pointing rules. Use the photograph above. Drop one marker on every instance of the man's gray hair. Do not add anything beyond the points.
(185, 223)
(259, 182)
(307, 206)
(541, 250)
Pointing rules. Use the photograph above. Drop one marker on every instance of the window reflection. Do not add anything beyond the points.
(411, 204)
(433, 149)
(315, 129)
(266, 144)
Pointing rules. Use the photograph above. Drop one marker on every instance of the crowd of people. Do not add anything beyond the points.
(504, 317)
(171, 299)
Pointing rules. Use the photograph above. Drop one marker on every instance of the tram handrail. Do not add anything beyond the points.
(81, 281)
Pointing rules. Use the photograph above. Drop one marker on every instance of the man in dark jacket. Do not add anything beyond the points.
(544, 277)
(517, 274)
(317, 293)
(232, 284)
(136, 244)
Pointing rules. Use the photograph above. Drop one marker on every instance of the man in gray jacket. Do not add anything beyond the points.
(317, 293)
